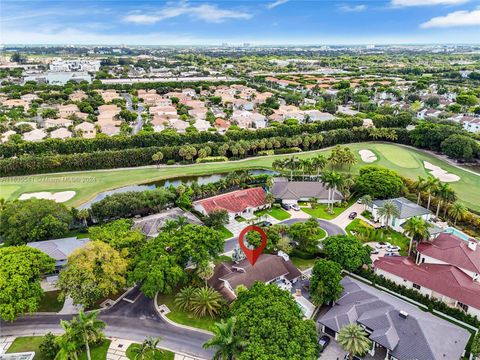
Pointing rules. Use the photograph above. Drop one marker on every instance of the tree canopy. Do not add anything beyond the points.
(379, 183)
(272, 324)
(20, 271)
(33, 220)
(325, 282)
(347, 251)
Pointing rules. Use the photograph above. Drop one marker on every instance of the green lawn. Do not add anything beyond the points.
(50, 302)
(27, 343)
(277, 213)
(158, 355)
(302, 264)
(185, 317)
(32, 343)
(98, 352)
(407, 161)
(226, 234)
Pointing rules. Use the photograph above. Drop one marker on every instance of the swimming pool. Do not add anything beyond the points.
(457, 233)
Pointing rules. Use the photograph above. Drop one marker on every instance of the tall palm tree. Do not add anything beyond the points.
(181, 221)
(388, 210)
(457, 211)
(205, 272)
(336, 182)
(148, 346)
(157, 158)
(292, 164)
(225, 341)
(206, 301)
(170, 226)
(419, 186)
(90, 328)
(69, 343)
(83, 215)
(445, 194)
(318, 163)
(417, 229)
(366, 200)
(354, 339)
(431, 185)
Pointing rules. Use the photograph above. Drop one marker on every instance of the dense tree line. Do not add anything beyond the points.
(164, 138)
(188, 153)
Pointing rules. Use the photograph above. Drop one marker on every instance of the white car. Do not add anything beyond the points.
(295, 207)
(393, 248)
(383, 245)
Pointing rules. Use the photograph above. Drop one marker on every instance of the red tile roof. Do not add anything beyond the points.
(452, 250)
(236, 201)
(443, 279)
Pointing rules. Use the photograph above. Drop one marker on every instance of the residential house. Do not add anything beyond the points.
(398, 330)
(6, 135)
(317, 115)
(87, 129)
(61, 133)
(50, 123)
(78, 95)
(236, 203)
(346, 110)
(471, 124)
(446, 269)
(10, 103)
(59, 249)
(290, 192)
(35, 135)
(269, 269)
(222, 125)
(202, 125)
(406, 208)
(179, 125)
(65, 111)
(109, 95)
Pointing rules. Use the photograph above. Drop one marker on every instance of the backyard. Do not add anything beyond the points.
(407, 161)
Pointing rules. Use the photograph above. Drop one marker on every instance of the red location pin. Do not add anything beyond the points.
(252, 255)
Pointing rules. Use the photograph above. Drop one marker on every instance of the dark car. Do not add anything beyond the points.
(323, 342)
(354, 357)
(286, 206)
(352, 215)
(392, 254)
(264, 224)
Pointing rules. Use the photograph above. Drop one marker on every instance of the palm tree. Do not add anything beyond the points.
(228, 344)
(205, 272)
(306, 166)
(183, 300)
(68, 343)
(90, 328)
(206, 301)
(388, 210)
(336, 181)
(269, 198)
(170, 226)
(431, 185)
(457, 211)
(83, 215)
(181, 221)
(157, 158)
(354, 339)
(419, 185)
(366, 200)
(417, 229)
(149, 345)
(291, 164)
(445, 194)
(318, 163)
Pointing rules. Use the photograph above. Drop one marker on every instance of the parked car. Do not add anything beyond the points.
(286, 206)
(323, 342)
(382, 245)
(374, 252)
(264, 224)
(354, 357)
(352, 215)
(295, 207)
(392, 254)
(393, 248)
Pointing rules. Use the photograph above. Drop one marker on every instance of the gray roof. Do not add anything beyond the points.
(421, 336)
(406, 207)
(59, 249)
(296, 190)
(151, 225)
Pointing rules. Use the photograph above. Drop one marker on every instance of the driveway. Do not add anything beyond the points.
(333, 351)
(124, 320)
(342, 220)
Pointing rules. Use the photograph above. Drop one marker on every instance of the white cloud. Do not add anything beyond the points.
(205, 12)
(454, 19)
(403, 3)
(275, 4)
(353, 8)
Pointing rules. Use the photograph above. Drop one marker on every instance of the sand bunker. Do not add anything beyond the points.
(367, 156)
(439, 173)
(58, 197)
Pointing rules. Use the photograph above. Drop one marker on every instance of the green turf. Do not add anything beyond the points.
(50, 302)
(158, 355)
(277, 213)
(226, 234)
(27, 343)
(302, 264)
(97, 352)
(407, 161)
(185, 317)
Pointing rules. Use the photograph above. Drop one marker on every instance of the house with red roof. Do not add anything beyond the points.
(237, 203)
(446, 269)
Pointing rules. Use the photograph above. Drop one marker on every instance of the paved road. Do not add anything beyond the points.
(124, 320)
(328, 226)
(137, 126)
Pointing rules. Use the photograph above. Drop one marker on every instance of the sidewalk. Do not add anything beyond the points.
(5, 343)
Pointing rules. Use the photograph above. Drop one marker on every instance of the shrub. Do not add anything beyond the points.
(209, 159)
(171, 162)
(49, 347)
(287, 150)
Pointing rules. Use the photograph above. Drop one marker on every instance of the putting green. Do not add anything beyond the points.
(87, 184)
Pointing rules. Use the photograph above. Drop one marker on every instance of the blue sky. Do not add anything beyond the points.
(198, 22)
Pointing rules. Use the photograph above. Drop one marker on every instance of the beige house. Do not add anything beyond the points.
(49, 123)
(35, 135)
(78, 95)
(88, 130)
(109, 95)
(62, 133)
(67, 110)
